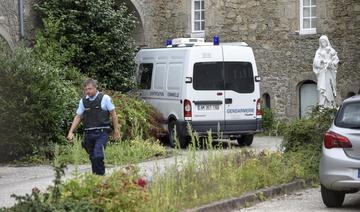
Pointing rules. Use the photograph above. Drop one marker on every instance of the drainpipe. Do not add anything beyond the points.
(21, 17)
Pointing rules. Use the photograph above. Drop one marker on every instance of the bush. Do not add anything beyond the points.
(278, 128)
(48, 48)
(122, 191)
(36, 100)
(267, 119)
(119, 192)
(137, 118)
(303, 138)
(302, 132)
(95, 36)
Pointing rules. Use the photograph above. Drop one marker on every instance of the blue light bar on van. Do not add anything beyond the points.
(168, 42)
(216, 40)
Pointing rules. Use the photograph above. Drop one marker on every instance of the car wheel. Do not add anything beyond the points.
(332, 198)
(245, 140)
(183, 140)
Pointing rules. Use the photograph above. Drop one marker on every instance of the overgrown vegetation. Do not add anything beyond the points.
(40, 87)
(271, 125)
(187, 183)
(117, 153)
(36, 100)
(137, 118)
(304, 137)
(121, 191)
(218, 176)
(141, 126)
(93, 36)
(267, 119)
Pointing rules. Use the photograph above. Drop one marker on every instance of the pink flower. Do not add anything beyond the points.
(141, 182)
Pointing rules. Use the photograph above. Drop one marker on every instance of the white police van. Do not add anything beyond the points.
(205, 85)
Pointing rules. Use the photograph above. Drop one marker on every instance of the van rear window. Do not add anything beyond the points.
(349, 116)
(208, 76)
(238, 76)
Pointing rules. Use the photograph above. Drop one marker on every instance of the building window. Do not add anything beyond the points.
(198, 15)
(307, 16)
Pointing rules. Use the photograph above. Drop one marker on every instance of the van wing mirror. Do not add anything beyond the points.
(188, 80)
(257, 78)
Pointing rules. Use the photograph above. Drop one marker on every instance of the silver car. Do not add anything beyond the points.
(340, 161)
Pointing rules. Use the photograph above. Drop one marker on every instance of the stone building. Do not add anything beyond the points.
(283, 33)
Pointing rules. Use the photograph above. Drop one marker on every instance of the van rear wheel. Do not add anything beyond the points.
(183, 140)
(245, 140)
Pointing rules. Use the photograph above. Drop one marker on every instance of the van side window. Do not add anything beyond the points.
(239, 77)
(208, 76)
(145, 71)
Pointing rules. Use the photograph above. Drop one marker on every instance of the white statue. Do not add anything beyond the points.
(324, 66)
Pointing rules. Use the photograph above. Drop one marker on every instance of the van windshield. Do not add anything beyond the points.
(238, 76)
(349, 116)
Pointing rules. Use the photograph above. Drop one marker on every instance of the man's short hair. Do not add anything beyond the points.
(90, 82)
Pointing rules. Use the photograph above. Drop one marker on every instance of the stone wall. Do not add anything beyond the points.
(10, 23)
(271, 27)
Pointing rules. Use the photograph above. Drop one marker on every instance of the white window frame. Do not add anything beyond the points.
(307, 30)
(193, 16)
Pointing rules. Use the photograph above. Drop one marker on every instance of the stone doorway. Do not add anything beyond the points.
(309, 97)
(266, 100)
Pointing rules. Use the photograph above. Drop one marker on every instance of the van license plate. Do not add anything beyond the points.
(208, 107)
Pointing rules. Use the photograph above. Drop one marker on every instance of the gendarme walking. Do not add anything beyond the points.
(94, 110)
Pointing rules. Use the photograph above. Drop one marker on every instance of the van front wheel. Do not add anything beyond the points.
(183, 140)
(245, 140)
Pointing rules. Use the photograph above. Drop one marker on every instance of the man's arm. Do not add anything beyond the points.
(114, 119)
(74, 124)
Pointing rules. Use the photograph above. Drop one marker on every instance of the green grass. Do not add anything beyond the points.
(220, 175)
(117, 153)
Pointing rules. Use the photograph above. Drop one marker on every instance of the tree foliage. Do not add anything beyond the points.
(36, 100)
(95, 36)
